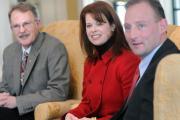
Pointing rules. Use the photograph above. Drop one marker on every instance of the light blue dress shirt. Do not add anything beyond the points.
(145, 63)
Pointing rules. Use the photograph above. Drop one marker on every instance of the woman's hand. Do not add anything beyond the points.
(70, 116)
(85, 118)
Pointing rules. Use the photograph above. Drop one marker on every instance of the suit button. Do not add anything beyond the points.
(89, 81)
(100, 82)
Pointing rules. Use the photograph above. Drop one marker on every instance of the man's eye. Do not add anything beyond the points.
(16, 26)
(26, 24)
(141, 25)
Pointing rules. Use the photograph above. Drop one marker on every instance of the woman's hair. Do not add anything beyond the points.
(99, 9)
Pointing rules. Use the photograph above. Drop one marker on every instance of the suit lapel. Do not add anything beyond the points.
(167, 45)
(30, 63)
(17, 68)
(32, 57)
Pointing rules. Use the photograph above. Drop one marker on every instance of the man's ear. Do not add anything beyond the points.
(38, 23)
(163, 25)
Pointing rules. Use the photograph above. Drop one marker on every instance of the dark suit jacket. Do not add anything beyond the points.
(140, 104)
(47, 73)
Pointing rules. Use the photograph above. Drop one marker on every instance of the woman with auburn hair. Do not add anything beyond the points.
(109, 67)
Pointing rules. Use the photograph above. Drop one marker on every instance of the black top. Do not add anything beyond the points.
(104, 47)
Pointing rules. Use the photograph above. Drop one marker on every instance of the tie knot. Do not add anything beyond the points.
(25, 54)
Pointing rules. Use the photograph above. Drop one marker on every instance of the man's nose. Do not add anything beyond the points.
(21, 29)
(134, 33)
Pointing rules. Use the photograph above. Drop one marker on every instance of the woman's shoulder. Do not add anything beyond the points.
(127, 54)
(127, 58)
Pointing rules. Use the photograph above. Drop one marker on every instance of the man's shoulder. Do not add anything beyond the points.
(12, 46)
(167, 48)
(49, 43)
(50, 38)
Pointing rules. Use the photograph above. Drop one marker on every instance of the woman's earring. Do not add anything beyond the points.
(113, 30)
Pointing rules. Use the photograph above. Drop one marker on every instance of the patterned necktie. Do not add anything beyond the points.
(136, 76)
(23, 67)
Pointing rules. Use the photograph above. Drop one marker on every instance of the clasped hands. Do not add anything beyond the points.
(7, 100)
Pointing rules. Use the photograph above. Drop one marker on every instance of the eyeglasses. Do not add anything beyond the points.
(25, 25)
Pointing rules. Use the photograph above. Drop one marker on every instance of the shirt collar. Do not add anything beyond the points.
(145, 62)
(23, 50)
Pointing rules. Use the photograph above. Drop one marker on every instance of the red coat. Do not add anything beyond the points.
(106, 85)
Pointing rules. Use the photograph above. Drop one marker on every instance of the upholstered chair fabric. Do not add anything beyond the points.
(167, 89)
(167, 83)
(171, 29)
(68, 33)
(175, 37)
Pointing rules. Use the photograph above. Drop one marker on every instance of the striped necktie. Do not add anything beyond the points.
(23, 67)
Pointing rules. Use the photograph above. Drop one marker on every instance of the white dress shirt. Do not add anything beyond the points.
(23, 50)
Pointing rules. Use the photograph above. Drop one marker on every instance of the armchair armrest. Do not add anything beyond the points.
(51, 110)
(74, 106)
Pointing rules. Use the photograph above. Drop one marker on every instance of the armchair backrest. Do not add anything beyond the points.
(68, 33)
(167, 82)
(171, 29)
(167, 89)
(175, 36)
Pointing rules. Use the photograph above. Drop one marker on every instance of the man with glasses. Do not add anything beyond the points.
(35, 67)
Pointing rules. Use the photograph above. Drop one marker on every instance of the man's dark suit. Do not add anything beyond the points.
(140, 104)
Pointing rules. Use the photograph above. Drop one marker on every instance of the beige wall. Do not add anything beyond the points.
(52, 10)
(168, 9)
(58, 10)
(72, 9)
(5, 31)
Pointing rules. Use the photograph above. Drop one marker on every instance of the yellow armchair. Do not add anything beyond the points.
(68, 33)
(167, 84)
(167, 89)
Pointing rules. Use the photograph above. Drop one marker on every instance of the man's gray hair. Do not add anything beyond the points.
(24, 7)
